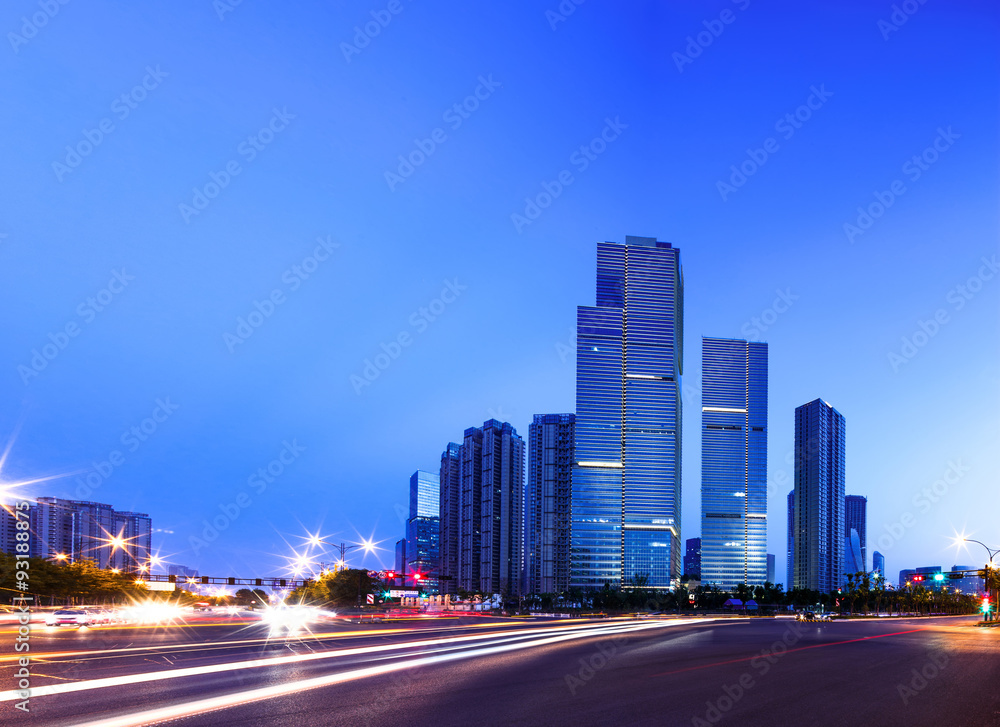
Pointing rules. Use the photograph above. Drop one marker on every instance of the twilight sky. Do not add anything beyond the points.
(215, 215)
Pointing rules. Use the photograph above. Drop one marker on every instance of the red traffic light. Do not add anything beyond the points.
(417, 576)
(918, 578)
(390, 574)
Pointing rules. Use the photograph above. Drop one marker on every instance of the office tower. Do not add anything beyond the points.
(692, 558)
(878, 564)
(449, 514)
(423, 528)
(770, 567)
(855, 534)
(470, 509)
(54, 525)
(790, 574)
(547, 503)
(733, 462)
(626, 501)
(906, 577)
(502, 507)
(819, 496)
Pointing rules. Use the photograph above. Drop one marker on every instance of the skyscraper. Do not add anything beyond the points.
(855, 534)
(502, 503)
(733, 462)
(449, 517)
(692, 558)
(878, 564)
(423, 530)
(626, 502)
(770, 568)
(790, 573)
(470, 509)
(76, 530)
(547, 503)
(819, 496)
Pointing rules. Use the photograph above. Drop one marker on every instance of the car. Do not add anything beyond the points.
(69, 617)
(805, 616)
(99, 615)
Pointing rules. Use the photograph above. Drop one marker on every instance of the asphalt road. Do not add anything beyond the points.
(473, 671)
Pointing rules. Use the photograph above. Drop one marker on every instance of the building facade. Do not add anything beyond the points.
(878, 564)
(502, 506)
(819, 497)
(770, 568)
(790, 571)
(547, 503)
(626, 493)
(423, 528)
(733, 463)
(450, 515)
(855, 534)
(470, 509)
(692, 558)
(75, 530)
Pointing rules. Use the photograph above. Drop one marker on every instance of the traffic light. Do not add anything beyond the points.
(918, 578)
(939, 576)
(986, 604)
(390, 574)
(417, 576)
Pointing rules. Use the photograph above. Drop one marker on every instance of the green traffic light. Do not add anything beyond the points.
(939, 576)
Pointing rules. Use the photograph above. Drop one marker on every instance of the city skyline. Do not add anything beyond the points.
(158, 300)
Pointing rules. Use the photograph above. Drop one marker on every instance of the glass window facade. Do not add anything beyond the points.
(423, 529)
(855, 521)
(733, 463)
(546, 503)
(627, 477)
(449, 517)
(820, 432)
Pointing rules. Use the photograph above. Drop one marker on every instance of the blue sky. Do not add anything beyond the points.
(309, 114)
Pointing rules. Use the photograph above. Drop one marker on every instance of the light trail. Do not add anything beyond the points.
(200, 646)
(580, 631)
(202, 706)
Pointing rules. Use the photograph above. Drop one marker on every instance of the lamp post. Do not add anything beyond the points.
(988, 571)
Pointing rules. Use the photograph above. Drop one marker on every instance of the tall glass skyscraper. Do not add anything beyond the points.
(423, 529)
(878, 564)
(626, 504)
(820, 432)
(855, 534)
(547, 503)
(733, 462)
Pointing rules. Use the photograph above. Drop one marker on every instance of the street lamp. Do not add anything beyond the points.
(987, 573)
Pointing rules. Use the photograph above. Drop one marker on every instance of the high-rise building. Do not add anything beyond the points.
(855, 534)
(547, 503)
(401, 558)
(770, 568)
(819, 497)
(8, 531)
(470, 509)
(502, 503)
(423, 528)
(136, 530)
(74, 530)
(449, 514)
(692, 558)
(54, 523)
(733, 462)
(626, 502)
(878, 564)
(790, 574)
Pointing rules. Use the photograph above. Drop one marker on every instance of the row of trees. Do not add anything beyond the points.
(65, 582)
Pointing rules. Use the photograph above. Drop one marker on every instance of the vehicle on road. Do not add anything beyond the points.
(68, 617)
(805, 616)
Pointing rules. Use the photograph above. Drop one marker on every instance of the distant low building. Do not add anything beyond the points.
(181, 571)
